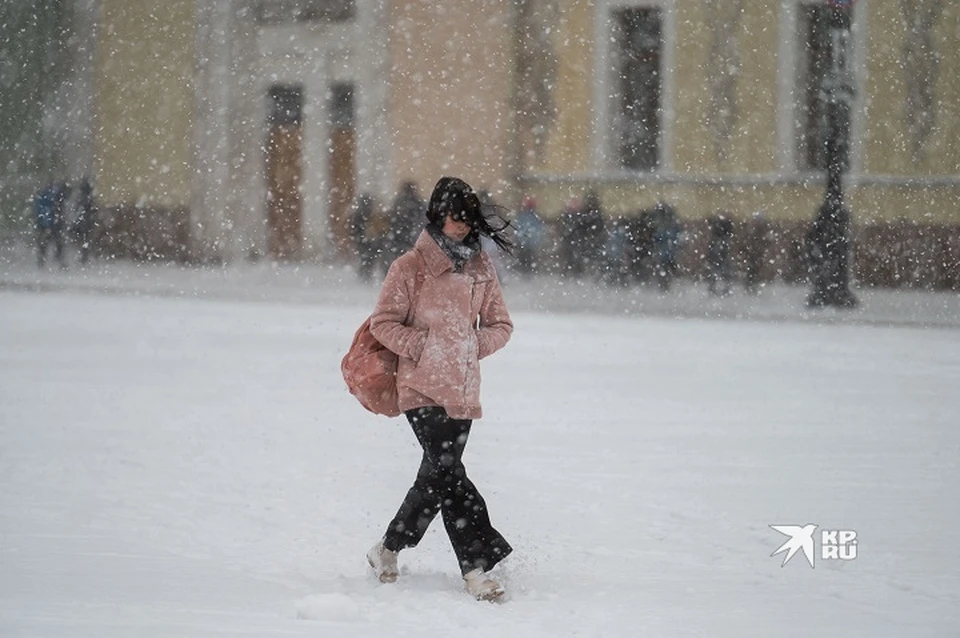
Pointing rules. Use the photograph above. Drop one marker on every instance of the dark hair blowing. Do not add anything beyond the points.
(453, 196)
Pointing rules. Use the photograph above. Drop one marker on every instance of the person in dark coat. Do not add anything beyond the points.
(755, 252)
(406, 216)
(362, 231)
(86, 222)
(666, 241)
(618, 253)
(718, 253)
(591, 234)
(569, 262)
(49, 217)
(642, 227)
(529, 231)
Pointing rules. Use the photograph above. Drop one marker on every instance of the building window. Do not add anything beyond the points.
(286, 105)
(814, 59)
(341, 105)
(294, 11)
(638, 49)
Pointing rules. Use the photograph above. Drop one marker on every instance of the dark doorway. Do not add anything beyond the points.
(343, 150)
(284, 172)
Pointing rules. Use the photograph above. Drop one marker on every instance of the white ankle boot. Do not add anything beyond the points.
(482, 587)
(383, 562)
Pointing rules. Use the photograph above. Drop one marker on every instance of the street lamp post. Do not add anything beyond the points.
(829, 239)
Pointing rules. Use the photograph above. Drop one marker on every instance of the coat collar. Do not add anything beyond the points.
(438, 262)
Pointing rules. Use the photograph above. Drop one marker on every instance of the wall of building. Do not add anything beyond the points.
(448, 74)
(750, 145)
(750, 175)
(449, 101)
(887, 146)
(567, 149)
(145, 60)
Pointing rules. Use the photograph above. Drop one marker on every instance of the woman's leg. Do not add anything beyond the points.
(420, 506)
(442, 485)
(423, 500)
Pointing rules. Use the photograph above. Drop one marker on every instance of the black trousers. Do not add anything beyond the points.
(442, 486)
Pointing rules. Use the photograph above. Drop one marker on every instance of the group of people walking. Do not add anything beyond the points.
(582, 241)
(646, 246)
(62, 212)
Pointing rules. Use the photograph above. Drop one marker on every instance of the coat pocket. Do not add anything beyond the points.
(429, 350)
(477, 294)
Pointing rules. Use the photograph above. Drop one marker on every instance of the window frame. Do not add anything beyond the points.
(643, 155)
(789, 74)
(605, 157)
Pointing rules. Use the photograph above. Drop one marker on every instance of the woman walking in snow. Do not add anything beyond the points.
(457, 318)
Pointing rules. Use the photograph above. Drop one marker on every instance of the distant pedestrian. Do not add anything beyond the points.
(568, 249)
(755, 251)
(49, 219)
(406, 217)
(719, 271)
(366, 239)
(529, 232)
(618, 253)
(592, 234)
(666, 241)
(642, 227)
(85, 224)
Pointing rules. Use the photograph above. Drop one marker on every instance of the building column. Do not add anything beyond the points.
(375, 166)
(210, 227)
(246, 195)
(317, 244)
(82, 86)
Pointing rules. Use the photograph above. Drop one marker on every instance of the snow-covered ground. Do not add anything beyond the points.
(182, 466)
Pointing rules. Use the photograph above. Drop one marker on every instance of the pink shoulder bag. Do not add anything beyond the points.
(370, 369)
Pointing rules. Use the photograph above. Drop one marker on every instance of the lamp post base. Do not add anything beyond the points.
(829, 251)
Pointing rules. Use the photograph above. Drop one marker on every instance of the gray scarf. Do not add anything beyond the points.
(458, 252)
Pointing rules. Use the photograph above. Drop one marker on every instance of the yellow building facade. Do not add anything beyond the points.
(736, 119)
(145, 96)
(706, 104)
(729, 96)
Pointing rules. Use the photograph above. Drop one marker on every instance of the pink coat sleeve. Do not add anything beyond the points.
(495, 325)
(391, 311)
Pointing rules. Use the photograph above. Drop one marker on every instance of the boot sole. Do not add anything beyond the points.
(495, 596)
(383, 577)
